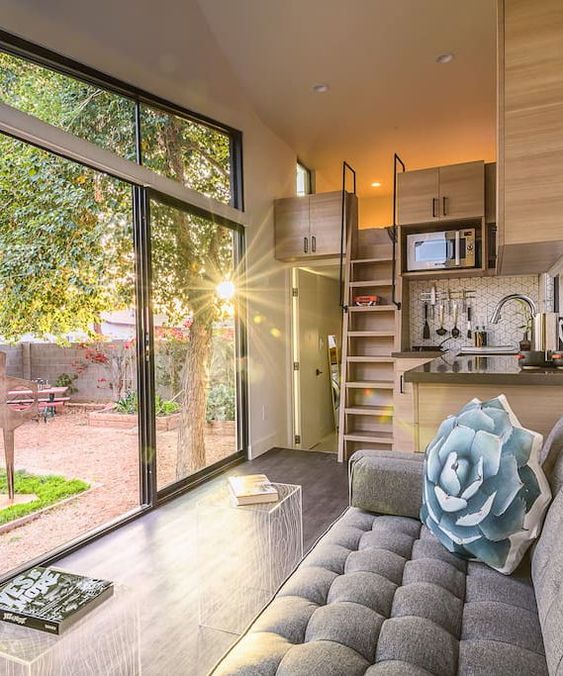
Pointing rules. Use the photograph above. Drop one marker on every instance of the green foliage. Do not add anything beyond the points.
(221, 403)
(49, 489)
(67, 380)
(164, 407)
(129, 404)
(66, 252)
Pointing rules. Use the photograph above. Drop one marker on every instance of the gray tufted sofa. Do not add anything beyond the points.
(379, 595)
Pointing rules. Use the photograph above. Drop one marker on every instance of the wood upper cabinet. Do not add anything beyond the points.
(462, 190)
(530, 135)
(418, 196)
(291, 223)
(451, 192)
(310, 226)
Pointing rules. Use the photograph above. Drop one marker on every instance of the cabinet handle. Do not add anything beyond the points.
(444, 210)
(434, 207)
(313, 244)
(401, 384)
(306, 244)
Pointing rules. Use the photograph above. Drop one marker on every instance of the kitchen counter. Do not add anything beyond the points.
(442, 386)
(481, 370)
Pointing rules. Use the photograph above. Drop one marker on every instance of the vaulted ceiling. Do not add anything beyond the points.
(386, 92)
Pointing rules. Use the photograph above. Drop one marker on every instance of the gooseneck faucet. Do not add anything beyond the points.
(513, 296)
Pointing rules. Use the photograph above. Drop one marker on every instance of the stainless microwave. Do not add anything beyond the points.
(441, 250)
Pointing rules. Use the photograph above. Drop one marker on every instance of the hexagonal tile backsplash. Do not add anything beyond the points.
(487, 292)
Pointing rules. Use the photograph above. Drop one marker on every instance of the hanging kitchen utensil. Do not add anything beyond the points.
(455, 331)
(426, 329)
(469, 331)
(441, 331)
(433, 297)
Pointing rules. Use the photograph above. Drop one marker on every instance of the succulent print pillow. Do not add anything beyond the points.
(484, 493)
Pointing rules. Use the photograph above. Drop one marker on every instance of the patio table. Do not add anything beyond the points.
(54, 394)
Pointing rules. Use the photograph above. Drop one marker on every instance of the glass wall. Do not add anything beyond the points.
(87, 111)
(197, 156)
(75, 271)
(67, 328)
(194, 294)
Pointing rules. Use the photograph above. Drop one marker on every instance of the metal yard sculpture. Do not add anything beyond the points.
(13, 413)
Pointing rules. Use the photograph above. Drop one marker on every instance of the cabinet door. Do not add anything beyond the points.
(530, 136)
(405, 427)
(326, 220)
(462, 190)
(291, 227)
(417, 196)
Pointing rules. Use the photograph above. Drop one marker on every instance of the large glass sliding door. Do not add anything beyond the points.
(195, 301)
(118, 234)
(68, 336)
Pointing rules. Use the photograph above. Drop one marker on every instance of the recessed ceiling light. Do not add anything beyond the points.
(320, 88)
(447, 57)
(376, 184)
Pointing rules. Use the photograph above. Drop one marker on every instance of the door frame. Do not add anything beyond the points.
(294, 352)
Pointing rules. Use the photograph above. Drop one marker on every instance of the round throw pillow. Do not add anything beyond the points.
(484, 493)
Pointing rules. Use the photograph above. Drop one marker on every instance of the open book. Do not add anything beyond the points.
(252, 489)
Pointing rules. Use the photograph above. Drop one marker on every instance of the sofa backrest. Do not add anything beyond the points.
(547, 557)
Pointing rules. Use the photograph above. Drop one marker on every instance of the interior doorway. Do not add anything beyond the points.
(316, 351)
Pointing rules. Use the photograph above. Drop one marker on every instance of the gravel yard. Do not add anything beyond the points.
(107, 458)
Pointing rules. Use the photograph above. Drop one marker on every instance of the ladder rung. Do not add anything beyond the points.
(371, 384)
(370, 437)
(371, 334)
(377, 411)
(359, 359)
(371, 308)
(374, 282)
(361, 261)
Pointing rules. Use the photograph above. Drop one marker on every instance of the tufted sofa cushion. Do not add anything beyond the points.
(380, 596)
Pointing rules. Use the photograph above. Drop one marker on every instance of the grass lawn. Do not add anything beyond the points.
(49, 489)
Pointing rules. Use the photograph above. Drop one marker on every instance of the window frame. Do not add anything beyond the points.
(143, 192)
(42, 56)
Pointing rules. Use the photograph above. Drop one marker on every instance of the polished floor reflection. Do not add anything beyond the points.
(156, 556)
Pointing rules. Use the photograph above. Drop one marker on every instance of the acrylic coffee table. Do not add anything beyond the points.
(106, 642)
(245, 554)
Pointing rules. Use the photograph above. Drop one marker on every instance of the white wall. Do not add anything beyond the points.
(166, 48)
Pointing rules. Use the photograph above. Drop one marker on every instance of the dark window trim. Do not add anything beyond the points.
(43, 56)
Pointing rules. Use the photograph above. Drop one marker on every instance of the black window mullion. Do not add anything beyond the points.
(145, 365)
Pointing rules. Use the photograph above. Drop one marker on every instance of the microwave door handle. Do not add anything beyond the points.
(456, 248)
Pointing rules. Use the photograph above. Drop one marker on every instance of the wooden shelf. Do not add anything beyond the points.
(371, 308)
(371, 334)
(446, 274)
(367, 261)
(378, 411)
(370, 284)
(359, 359)
(371, 384)
(370, 437)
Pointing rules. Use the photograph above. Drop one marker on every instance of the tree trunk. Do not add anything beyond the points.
(191, 434)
